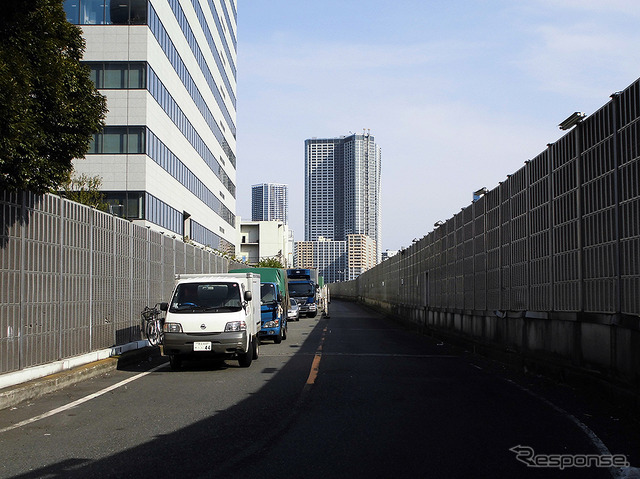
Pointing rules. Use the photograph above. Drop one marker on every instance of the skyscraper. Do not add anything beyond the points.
(269, 202)
(167, 154)
(342, 188)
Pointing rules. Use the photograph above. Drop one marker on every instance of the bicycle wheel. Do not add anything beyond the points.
(153, 333)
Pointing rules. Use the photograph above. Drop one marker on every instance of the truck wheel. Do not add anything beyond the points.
(284, 331)
(278, 338)
(256, 350)
(245, 359)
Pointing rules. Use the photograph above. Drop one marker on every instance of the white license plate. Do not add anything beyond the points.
(202, 346)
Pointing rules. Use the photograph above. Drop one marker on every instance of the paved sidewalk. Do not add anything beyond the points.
(23, 387)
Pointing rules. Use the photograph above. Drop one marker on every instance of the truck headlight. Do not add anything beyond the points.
(172, 328)
(234, 326)
(272, 324)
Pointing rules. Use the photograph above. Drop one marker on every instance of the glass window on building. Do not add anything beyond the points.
(126, 204)
(115, 75)
(128, 12)
(118, 75)
(138, 14)
(114, 140)
(135, 140)
(96, 73)
(137, 75)
(92, 12)
(106, 12)
(72, 9)
(119, 140)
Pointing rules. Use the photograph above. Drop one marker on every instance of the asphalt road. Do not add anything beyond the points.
(352, 396)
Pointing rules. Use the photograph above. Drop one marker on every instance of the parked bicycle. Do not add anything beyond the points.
(152, 324)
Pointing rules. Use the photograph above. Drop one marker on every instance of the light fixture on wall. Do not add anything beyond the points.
(479, 193)
(572, 120)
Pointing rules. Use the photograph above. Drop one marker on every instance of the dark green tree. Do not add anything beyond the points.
(49, 107)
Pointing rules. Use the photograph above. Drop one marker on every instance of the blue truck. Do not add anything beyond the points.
(274, 301)
(305, 288)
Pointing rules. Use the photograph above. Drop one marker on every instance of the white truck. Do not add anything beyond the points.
(213, 315)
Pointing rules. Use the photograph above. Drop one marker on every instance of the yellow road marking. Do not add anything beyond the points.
(315, 365)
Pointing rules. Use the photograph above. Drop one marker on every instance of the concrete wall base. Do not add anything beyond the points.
(598, 354)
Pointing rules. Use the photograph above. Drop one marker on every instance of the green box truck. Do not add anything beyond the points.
(274, 299)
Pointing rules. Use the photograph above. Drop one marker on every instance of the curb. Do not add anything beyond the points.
(36, 388)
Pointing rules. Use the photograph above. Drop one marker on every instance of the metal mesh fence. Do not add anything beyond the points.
(74, 280)
(562, 234)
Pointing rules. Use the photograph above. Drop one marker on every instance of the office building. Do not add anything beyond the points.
(167, 154)
(342, 188)
(269, 202)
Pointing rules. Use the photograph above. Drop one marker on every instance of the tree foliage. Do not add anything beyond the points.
(85, 189)
(49, 107)
(270, 263)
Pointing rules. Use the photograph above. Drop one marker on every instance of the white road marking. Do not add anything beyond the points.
(615, 472)
(80, 401)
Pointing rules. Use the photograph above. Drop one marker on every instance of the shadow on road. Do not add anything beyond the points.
(211, 447)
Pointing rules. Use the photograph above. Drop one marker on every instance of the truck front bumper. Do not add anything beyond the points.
(308, 307)
(269, 331)
(222, 344)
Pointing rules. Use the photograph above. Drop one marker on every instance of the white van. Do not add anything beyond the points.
(213, 315)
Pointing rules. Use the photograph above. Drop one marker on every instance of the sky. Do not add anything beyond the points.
(458, 94)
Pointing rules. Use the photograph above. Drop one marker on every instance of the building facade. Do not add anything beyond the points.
(327, 256)
(386, 254)
(361, 255)
(337, 261)
(261, 240)
(166, 156)
(342, 188)
(269, 202)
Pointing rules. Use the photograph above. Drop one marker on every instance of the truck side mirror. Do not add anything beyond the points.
(164, 306)
(247, 295)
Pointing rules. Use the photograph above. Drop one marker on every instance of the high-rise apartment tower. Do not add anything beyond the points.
(269, 202)
(342, 188)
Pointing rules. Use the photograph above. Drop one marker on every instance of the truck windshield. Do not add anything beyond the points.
(267, 293)
(301, 289)
(206, 298)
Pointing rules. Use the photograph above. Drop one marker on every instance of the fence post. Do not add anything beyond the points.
(579, 215)
(92, 213)
(22, 217)
(616, 197)
(551, 227)
(114, 279)
(61, 239)
(131, 253)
